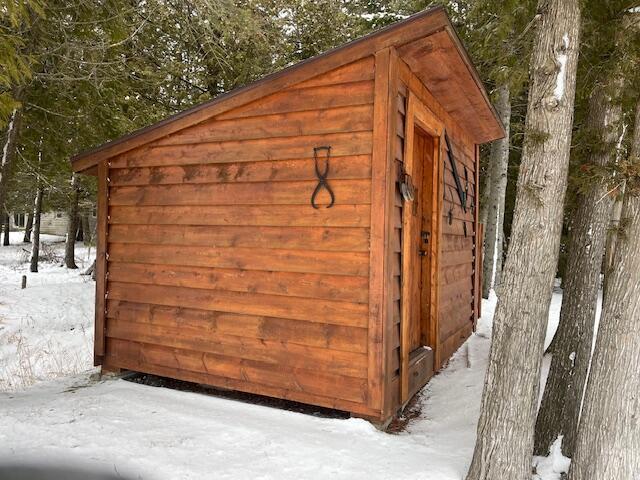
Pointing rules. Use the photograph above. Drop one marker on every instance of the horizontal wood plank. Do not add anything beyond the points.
(284, 148)
(288, 124)
(347, 192)
(296, 238)
(359, 70)
(217, 325)
(274, 354)
(313, 310)
(133, 361)
(280, 260)
(343, 168)
(267, 215)
(311, 98)
(306, 285)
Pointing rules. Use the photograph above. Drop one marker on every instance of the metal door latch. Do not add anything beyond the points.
(425, 236)
(422, 253)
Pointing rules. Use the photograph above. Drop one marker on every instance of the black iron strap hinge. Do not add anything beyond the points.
(461, 193)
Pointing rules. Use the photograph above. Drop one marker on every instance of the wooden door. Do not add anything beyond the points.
(420, 229)
(416, 263)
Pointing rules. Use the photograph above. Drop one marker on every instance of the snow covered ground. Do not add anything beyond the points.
(46, 330)
(54, 409)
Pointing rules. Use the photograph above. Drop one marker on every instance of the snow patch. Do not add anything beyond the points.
(553, 465)
(561, 78)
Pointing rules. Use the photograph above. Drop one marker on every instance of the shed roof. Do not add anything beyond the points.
(426, 41)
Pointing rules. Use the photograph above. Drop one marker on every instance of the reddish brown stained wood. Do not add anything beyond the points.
(101, 262)
(217, 325)
(316, 121)
(312, 98)
(352, 72)
(353, 167)
(132, 362)
(378, 221)
(342, 239)
(266, 215)
(306, 285)
(338, 263)
(320, 311)
(281, 148)
(271, 353)
(347, 192)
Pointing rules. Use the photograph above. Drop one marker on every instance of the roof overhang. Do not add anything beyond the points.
(426, 41)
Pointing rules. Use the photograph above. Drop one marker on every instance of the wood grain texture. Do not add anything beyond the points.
(217, 325)
(271, 353)
(342, 239)
(347, 192)
(263, 149)
(315, 121)
(101, 263)
(332, 263)
(130, 358)
(313, 310)
(306, 285)
(342, 168)
(267, 215)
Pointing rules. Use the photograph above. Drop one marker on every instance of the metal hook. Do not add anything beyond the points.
(322, 176)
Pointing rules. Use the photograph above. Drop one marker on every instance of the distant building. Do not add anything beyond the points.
(52, 223)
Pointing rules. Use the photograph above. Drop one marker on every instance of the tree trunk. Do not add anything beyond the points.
(9, 152)
(608, 441)
(72, 225)
(79, 230)
(28, 227)
(35, 245)
(504, 443)
(560, 408)
(5, 239)
(495, 205)
(612, 235)
(86, 230)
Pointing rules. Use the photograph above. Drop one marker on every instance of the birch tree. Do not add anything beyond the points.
(608, 440)
(504, 443)
(499, 163)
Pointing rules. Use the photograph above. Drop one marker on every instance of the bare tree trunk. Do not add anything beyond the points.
(5, 222)
(612, 235)
(9, 152)
(608, 441)
(35, 245)
(560, 408)
(72, 225)
(86, 230)
(80, 230)
(28, 227)
(504, 443)
(495, 205)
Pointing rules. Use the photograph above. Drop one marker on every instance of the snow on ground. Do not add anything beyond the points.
(46, 330)
(138, 431)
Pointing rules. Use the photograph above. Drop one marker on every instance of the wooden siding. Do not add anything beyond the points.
(219, 269)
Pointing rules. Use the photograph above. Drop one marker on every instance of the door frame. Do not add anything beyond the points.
(418, 115)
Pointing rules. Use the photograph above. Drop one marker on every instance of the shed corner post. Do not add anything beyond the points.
(101, 262)
(379, 262)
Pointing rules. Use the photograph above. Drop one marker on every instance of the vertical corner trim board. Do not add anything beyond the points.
(379, 196)
(101, 261)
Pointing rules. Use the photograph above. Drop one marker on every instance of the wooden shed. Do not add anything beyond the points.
(217, 264)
